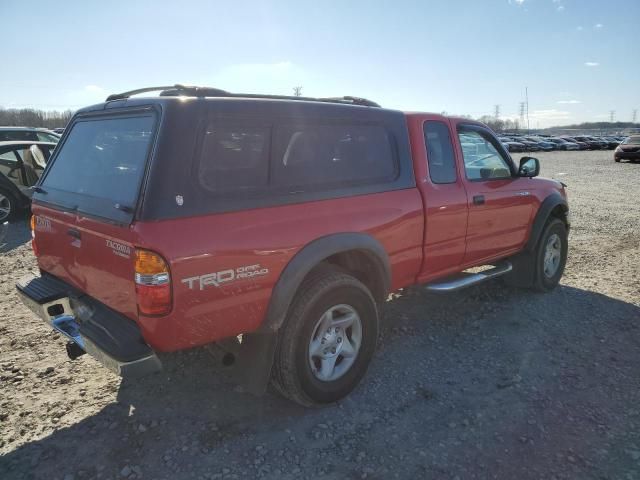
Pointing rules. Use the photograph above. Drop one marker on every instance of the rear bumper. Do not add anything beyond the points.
(112, 339)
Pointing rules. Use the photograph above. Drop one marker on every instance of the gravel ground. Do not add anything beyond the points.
(486, 383)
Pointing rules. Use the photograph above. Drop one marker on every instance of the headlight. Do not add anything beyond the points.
(618, 149)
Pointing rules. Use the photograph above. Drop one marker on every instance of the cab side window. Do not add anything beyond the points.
(482, 159)
(440, 156)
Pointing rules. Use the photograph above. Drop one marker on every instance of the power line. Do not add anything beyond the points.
(297, 91)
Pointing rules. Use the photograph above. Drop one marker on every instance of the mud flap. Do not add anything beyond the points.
(253, 360)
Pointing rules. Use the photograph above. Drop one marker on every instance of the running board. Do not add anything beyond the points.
(463, 280)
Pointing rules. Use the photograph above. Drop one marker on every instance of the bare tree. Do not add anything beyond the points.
(29, 117)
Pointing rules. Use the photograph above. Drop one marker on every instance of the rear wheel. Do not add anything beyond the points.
(8, 206)
(327, 340)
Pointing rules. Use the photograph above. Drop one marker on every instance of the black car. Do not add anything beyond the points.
(562, 144)
(21, 164)
(629, 149)
(612, 142)
(512, 145)
(581, 145)
(593, 143)
(27, 134)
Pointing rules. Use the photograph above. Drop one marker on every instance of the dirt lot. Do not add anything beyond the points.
(487, 383)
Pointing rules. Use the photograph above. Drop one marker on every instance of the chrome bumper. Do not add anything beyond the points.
(60, 315)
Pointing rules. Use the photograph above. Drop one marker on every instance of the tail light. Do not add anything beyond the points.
(153, 283)
(34, 247)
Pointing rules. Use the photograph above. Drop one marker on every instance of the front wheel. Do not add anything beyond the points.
(551, 255)
(327, 340)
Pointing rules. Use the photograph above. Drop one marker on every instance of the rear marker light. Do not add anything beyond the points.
(34, 247)
(153, 283)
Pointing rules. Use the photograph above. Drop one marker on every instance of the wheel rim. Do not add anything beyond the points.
(552, 255)
(5, 207)
(335, 343)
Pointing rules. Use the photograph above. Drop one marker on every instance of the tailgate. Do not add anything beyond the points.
(93, 256)
(86, 203)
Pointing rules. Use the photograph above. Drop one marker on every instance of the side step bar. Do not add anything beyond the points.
(463, 280)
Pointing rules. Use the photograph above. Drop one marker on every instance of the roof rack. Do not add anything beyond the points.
(193, 91)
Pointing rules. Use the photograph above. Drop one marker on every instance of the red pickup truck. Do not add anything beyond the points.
(276, 226)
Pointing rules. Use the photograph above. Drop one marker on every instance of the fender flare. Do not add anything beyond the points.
(546, 207)
(308, 258)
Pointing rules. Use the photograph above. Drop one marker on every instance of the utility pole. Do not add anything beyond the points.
(522, 112)
(497, 112)
(612, 115)
(526, 99)
(297, 91)
(635, 115)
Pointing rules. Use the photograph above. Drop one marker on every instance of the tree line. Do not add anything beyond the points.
(31, 117)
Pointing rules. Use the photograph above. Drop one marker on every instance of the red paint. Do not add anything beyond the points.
(428, 232)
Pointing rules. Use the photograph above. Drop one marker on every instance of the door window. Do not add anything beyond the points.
(440, 157)
(482, 159)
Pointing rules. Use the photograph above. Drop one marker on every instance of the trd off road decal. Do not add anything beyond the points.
(217, 279)
(118, 248)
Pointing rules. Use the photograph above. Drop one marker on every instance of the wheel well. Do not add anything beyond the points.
(363, 266)
(559, 211)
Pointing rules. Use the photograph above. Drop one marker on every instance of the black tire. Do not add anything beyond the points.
(292, 374)
(8, 200)
(617, 160)
(544, 282)
(528, 267)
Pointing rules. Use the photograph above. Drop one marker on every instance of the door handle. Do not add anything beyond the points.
(478, 199)
(74, 233)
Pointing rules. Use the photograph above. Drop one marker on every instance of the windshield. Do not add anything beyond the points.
(102, 159)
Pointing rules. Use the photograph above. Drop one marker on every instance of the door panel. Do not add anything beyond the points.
(501, 223)
(500, 204)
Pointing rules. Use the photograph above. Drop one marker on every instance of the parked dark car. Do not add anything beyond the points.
(528, 145)
(581, 145)
(27, 134)
(544, 144)
(512, 145)
(612, 142)
(21, 164)
(629, 149)
(594, 143)
(562, 144)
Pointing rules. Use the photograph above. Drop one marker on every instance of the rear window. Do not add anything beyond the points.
(103, 159)
(294, 157)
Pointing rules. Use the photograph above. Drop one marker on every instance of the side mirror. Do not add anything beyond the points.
(529, 167)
